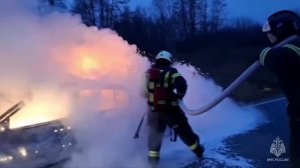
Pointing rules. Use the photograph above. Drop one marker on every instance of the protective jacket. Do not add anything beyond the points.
(164, 86)
(285, 63)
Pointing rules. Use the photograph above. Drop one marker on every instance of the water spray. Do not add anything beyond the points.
(234, 85)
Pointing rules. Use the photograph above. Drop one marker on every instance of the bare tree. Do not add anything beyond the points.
(86, 9)
(217, 14)
(53, 5)
(203, 15)
(183, 16)
(111, 11)
(192, 17)
(244, 23)
(164, 8)
(100, 13)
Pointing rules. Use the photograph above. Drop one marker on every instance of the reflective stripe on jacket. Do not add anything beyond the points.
(265, 51)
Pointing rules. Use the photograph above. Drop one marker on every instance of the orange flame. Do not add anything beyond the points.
(84, 63)
(108, 99)
(45, 106)
(88, 64)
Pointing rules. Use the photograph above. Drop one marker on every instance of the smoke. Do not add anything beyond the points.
(93, 79)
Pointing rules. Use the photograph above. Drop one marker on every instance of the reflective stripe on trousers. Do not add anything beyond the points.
(194, 146)
(153, 154)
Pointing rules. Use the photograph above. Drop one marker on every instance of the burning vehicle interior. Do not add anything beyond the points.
(27, 144)
(71, 73)
(48, 140)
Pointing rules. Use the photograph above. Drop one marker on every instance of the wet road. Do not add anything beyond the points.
(256, 144)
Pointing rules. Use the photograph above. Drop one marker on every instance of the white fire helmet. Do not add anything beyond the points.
(164, 55)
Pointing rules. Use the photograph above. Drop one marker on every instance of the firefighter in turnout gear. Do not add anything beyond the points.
(164, 87)
(284, 62)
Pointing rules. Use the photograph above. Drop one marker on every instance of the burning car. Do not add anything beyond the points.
(50, 142)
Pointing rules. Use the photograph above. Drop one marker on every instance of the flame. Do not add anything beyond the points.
(106, 66)
(52, 106)
(85, 66)
(46, 106)
(65, 58)
(89, 63)
(108, 99)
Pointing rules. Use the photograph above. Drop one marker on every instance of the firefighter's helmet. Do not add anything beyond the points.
(164, 55)
(282, 25)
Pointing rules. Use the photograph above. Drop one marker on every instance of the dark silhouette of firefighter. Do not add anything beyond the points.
(164, 87)
(284, 27)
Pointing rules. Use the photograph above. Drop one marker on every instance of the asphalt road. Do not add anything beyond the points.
(256, 144)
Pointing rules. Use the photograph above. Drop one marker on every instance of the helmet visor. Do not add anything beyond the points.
(266, 27)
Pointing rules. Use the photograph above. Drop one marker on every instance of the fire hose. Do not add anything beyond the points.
(234, 85)
(224, 94)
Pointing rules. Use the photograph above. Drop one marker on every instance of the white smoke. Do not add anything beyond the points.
(42, 55)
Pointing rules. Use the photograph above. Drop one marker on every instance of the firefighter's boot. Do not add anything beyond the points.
(199, 150)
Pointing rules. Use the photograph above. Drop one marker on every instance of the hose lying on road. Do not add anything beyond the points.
(231, 87)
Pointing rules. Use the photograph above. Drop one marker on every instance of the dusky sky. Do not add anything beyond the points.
(257, 10)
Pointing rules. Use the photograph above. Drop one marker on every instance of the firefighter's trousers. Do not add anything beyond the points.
(175, 119)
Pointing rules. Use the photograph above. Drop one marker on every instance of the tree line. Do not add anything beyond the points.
(196, 31)
(164, 25)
